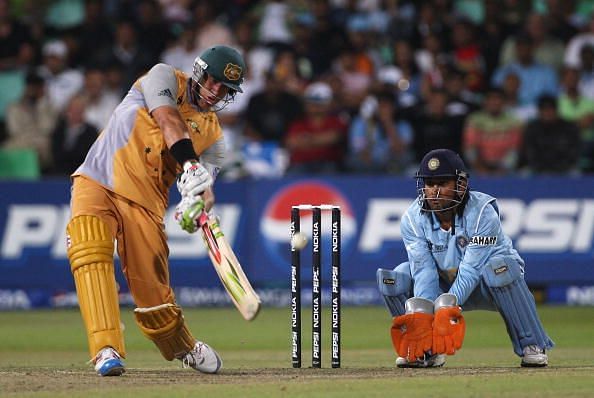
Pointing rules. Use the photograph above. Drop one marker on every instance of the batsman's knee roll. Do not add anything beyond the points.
(90, 251)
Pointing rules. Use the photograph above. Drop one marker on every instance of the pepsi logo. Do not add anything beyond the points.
(276, 220)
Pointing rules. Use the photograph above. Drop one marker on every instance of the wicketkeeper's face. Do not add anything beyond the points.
(440, 193)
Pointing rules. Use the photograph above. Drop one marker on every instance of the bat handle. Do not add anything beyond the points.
(202, 218)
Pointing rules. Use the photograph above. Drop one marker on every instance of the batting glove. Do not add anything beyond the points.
(187, 213)
(194, 180)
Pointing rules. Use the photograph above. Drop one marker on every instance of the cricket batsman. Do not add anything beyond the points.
(458, 259)
(164, 130)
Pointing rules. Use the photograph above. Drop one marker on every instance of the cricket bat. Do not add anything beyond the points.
(228, 267)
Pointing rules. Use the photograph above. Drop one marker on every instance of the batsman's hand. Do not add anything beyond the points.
(449, 327)
(194, 180)
(187, 213)
(412, 335)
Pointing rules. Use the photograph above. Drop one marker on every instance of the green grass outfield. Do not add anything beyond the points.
(43, 354)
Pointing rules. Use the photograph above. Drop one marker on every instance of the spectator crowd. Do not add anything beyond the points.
(333, 86)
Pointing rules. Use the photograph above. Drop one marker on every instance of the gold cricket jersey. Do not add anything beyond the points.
(130, 156)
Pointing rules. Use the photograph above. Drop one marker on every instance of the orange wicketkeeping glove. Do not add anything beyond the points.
(448, 330)
(412, 335)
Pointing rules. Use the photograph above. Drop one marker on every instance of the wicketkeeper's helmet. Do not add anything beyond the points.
(443, 163)
(223, 63)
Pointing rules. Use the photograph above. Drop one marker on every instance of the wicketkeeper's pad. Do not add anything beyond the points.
(395, 287)
(515, 303)
(164, 325)
(90, 251)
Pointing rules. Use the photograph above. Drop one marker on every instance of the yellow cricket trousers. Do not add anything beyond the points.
(140, 235)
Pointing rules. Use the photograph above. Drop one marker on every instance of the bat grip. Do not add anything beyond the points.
(202, 218)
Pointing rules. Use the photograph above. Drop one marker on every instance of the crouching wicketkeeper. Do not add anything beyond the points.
(458, 258)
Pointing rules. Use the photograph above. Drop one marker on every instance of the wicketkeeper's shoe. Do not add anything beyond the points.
(108, 362)
(534, 357)
(202, 358)
(433, 361)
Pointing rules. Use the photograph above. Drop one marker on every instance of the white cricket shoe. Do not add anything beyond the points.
(534, 357)
(433, 361)
(202, 358)
(108, 362)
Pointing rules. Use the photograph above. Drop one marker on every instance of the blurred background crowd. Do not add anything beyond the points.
(333, 86)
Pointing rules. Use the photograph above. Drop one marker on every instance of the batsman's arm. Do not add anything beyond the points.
(172, 126)
(160, 89)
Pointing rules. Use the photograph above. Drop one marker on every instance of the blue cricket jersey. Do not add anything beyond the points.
(457, 258)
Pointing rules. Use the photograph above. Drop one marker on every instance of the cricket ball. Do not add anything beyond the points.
(299, 240)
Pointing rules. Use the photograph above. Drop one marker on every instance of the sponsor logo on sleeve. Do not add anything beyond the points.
(165, 93)
(483, 240)
(389, 281)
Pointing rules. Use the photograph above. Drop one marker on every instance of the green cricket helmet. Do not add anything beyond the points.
(224, 64)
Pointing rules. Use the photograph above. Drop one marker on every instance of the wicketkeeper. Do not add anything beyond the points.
(120, 193)
(458, 259)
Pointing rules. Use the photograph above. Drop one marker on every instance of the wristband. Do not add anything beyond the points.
(183, 150)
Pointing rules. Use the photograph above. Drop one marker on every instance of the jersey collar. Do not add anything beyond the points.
(435, 225)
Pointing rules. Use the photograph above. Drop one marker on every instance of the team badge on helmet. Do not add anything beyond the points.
(232, 72)
(433, 164)
(223, 63)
